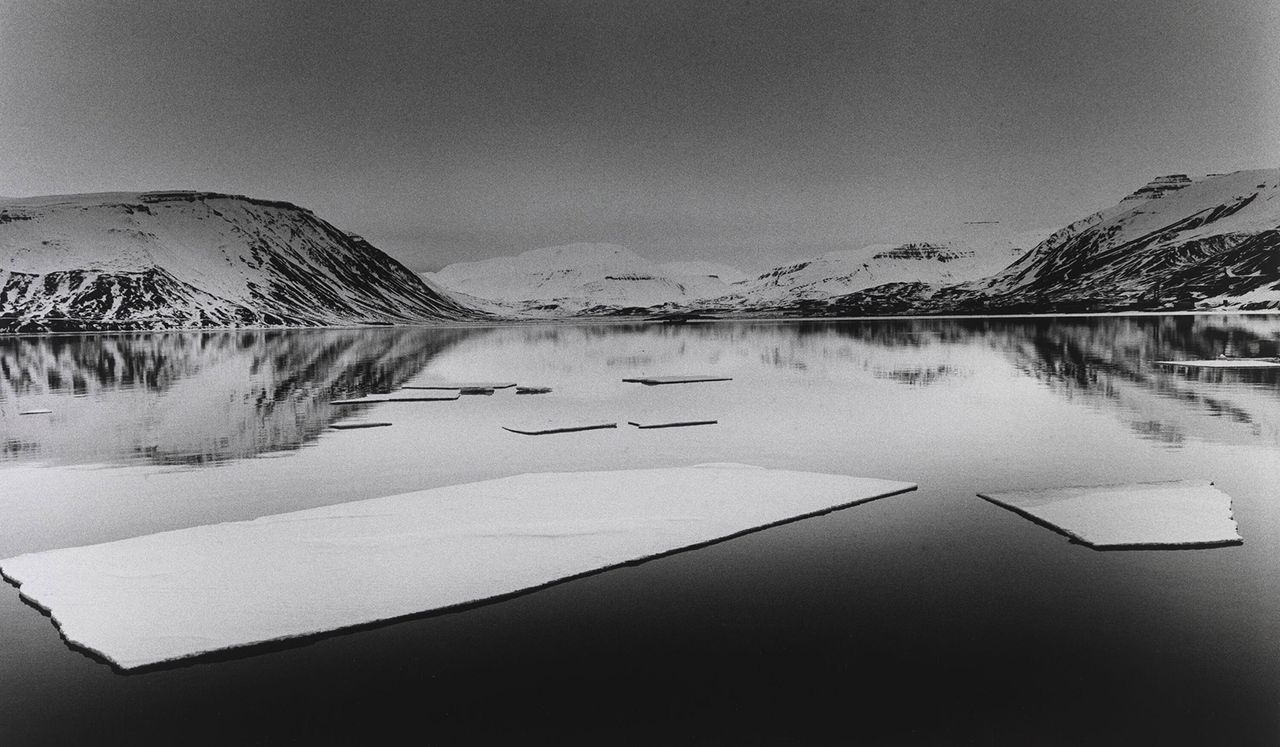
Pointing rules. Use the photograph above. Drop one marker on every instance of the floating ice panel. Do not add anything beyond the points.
(178, 594)
(440, 396)
(351, 426)
(35, 412)
(670, 423)
(542, 429)
(533, 390)
(466, 385)
(1226, 363)
(656, 380)
(1182, 513)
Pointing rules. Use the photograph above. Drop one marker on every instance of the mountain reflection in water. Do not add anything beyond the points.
(194, 398)
(209, 397)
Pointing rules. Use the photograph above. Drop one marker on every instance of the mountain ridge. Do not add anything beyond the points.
(195, 259)
(580, 279)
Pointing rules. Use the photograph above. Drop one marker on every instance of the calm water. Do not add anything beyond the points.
(928, 618)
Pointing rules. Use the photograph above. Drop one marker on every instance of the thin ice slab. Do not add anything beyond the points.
(656, 380)
(179, 594)
(360, 424)
(1181, 513)
(465, 385)
(440, 396)
(669, 423)
(542, 429)
(35, 412)
(533, 390)
(1226, 363)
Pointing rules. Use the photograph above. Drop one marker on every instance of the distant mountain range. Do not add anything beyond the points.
(161, 260)
(1176, 243)
(606, 279)
(581, 279)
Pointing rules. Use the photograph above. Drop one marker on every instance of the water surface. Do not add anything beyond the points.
(932, 617)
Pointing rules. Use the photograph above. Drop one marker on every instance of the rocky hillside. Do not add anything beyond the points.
(1174, 244)
(1207, 244)
(166, 260)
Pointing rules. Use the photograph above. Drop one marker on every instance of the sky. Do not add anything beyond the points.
(751, 133)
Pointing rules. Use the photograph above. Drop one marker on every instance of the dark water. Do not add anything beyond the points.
(928, 618)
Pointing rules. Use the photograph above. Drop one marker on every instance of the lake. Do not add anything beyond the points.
(924, 618)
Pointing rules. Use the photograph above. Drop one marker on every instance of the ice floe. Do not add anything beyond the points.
(438, 396)
(669, 423)
(1181, 513)
(35, 412)
(541, 429)
(178, 594)
(465, 385)
(1226, 363)
(359, 424)
(656, 380)
(533, 390)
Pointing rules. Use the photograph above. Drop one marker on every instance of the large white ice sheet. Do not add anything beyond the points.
(178, 594)
(1181, 513)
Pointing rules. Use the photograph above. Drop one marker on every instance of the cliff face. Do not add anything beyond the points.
(1159, 187)
(164, 260)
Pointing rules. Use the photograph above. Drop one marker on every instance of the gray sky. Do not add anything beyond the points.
(746, 132)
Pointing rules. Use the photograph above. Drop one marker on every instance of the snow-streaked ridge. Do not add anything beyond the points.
(1210, 242)
(195, 259)
(968, 255)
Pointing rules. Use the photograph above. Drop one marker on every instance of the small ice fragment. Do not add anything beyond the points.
(1226, 363)
(476, 390)
(35, 412)
(1180, 513)
(465, 385)
(349, 426)
(544, 429)
(442, 396)
(656, 380)
(177, 594)
(533, 390)
(670, 423)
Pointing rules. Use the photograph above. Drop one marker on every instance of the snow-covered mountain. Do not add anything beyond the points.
(973, 252)
(1175, 243)
(581, 279)
(158, 260)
